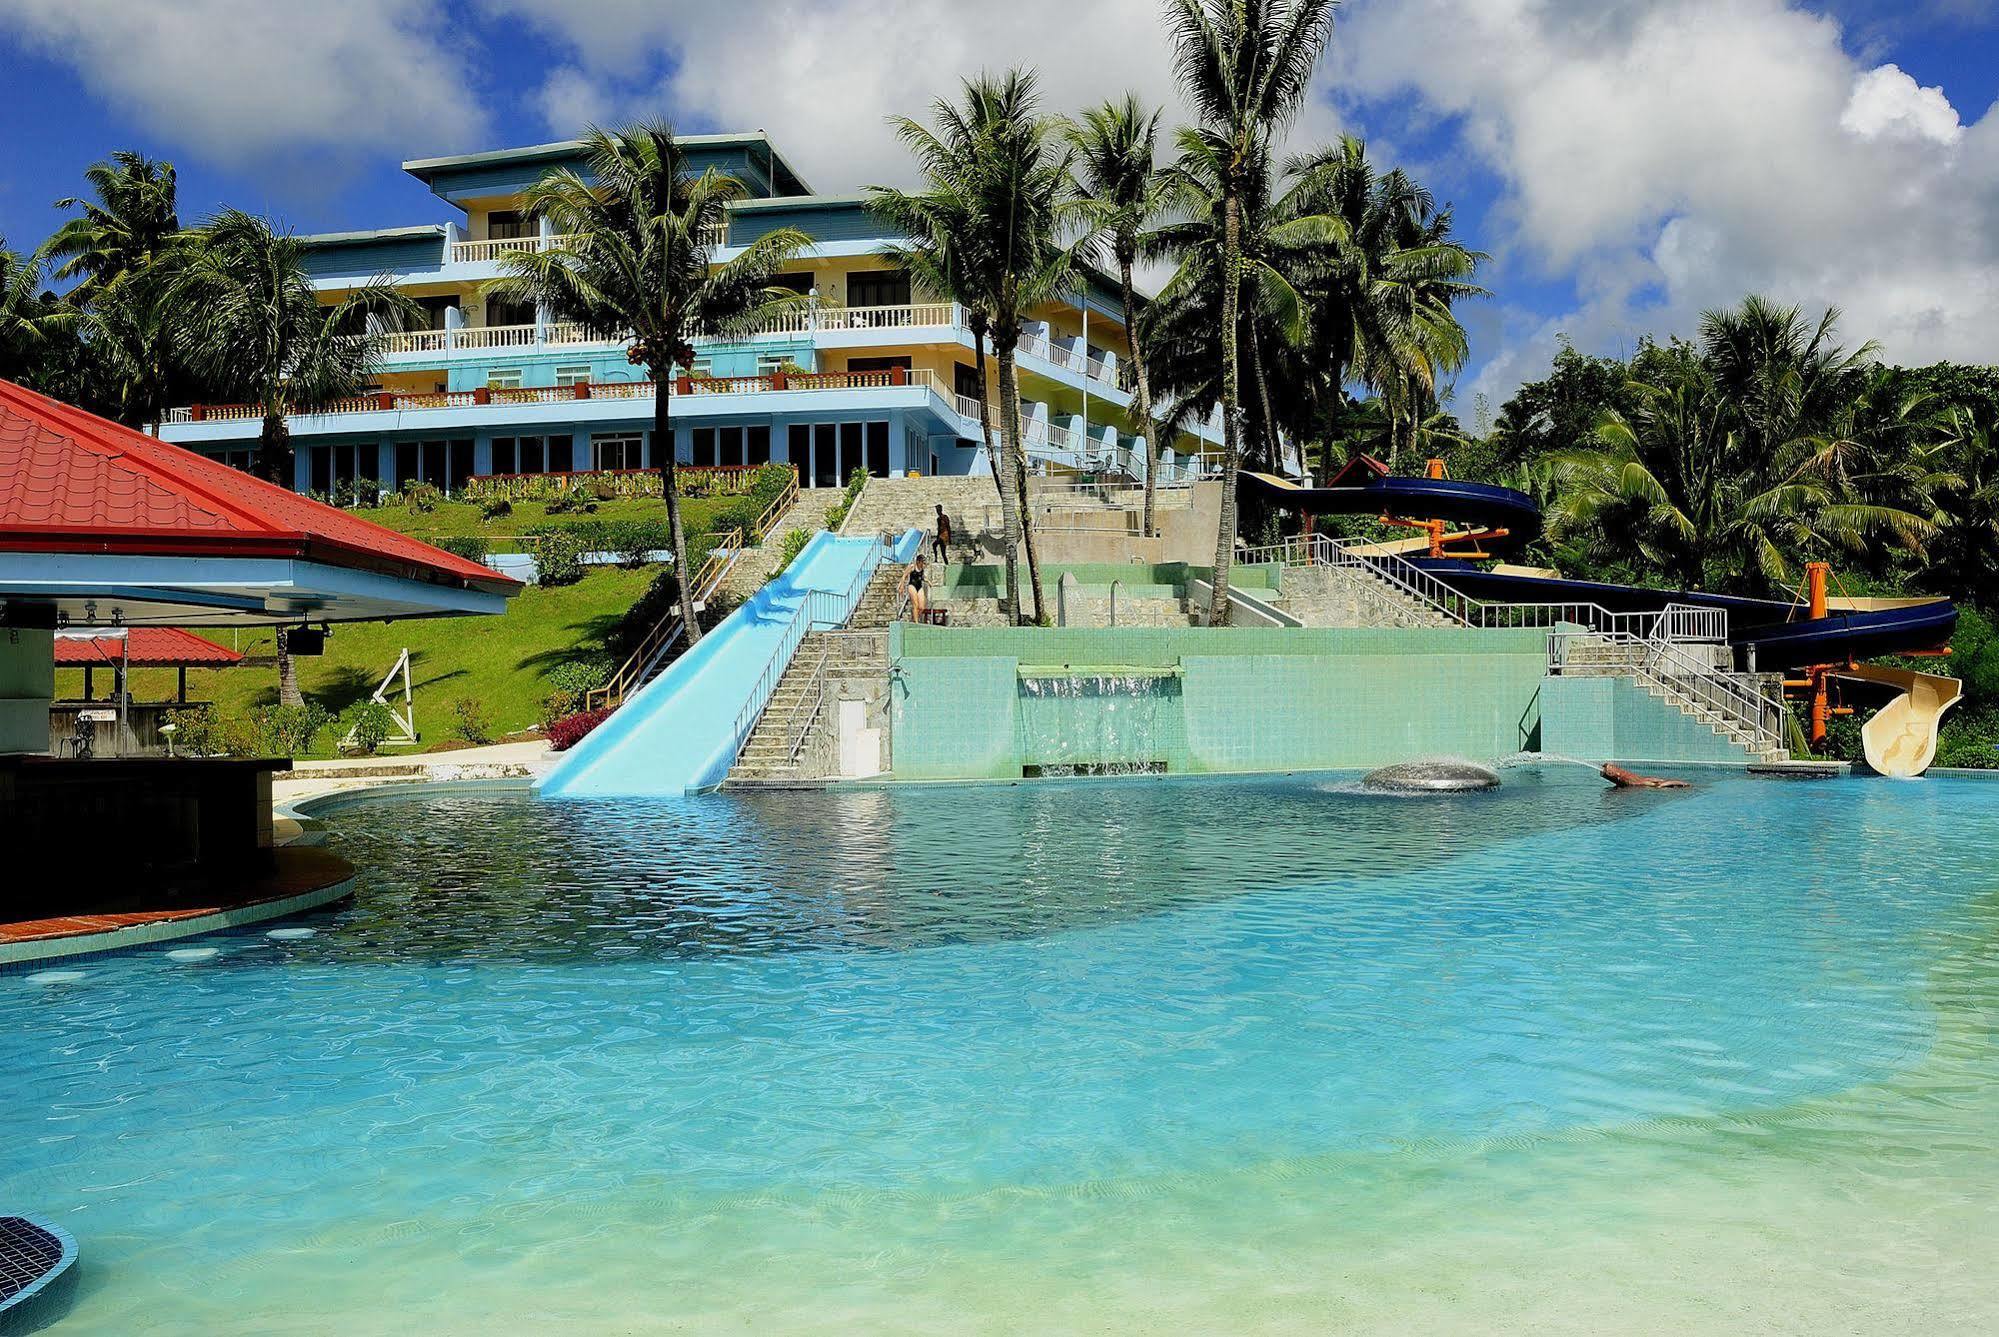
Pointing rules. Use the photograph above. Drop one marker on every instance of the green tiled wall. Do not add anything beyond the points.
(1250, 699)
(1614, 719)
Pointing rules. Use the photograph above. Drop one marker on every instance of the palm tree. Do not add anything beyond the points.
(1001, 159)
(256, 328)
(634, 261)
(1681, 485)
(129, 226)
(1116, 151)
(1245, 66)
(1391, 277)
(133, 331)
(938, 254)
(29, 318)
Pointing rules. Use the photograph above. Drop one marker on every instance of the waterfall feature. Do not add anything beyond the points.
(1099, 721)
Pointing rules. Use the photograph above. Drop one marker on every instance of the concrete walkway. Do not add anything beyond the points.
(497, 761)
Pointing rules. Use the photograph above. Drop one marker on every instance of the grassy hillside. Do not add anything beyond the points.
(499, 661)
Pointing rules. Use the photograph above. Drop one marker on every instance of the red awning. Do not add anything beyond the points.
(73, 482)
(147, 647)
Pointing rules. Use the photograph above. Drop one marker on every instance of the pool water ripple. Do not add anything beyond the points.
(974, 1025)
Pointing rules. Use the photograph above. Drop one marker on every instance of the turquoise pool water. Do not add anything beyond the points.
(1147, 1055)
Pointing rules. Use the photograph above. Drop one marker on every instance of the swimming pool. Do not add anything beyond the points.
(1180, 1055)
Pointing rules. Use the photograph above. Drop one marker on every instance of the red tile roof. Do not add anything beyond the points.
(145, 647)
(74, 482)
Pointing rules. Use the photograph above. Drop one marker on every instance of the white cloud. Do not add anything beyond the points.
(1887, 102)
(1670, 155)
(823, 76)
(246, 80)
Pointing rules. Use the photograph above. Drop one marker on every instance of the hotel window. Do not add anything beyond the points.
(827, 453)
(503, 378)
(508, 225)
(878, 287)
(724, 445)
(624, 450)
(499, 311)
(530, 454)
(757, 445)
(703, 455)
(444, 465)
(573, 375)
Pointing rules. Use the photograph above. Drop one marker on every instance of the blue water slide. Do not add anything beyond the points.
(1779, 631)
(681, 731)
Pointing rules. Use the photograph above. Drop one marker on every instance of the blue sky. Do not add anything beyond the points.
(1625, 162)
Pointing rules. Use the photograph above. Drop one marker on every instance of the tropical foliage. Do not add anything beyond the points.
(993, 227)
(636, 262)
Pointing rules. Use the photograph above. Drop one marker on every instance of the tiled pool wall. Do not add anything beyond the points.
(1255, 699)
(1604, 719)
(1249, 699)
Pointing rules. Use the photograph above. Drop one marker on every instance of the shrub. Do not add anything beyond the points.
(421, 497)
(197, 733)
(369, 725)
(494, 505)
(469, 718)
(836, 515)
(570, 730)
(787, 551)
(572, 501)
(559, 560)
(469, 546)
(290, 731)
(570, 685)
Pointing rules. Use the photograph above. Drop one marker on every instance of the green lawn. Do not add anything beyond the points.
(499, 661)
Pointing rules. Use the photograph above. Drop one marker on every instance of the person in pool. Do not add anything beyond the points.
(912, 585)
(1624, 779)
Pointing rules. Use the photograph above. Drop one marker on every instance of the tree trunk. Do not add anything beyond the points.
(1267, 437)
(274, 452)
(1009, 388)
(1002, 480)
(669, 480)
(1149, 430)
(1218, 604)
(288, 692)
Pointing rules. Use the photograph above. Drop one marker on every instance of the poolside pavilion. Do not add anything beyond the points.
(104, 529)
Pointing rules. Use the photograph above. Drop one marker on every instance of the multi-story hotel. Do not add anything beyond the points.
(866, 374)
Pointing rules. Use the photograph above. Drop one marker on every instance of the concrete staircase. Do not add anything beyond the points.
(759, 564)
(892, 505)
(792, 740)
(1353, 596)
(880, 600)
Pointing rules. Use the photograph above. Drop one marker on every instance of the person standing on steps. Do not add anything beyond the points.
(943, 542)
(912, 585)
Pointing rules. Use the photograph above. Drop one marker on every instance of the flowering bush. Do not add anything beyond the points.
(568, 731)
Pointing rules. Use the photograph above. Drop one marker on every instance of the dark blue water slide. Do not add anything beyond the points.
(1779, 631)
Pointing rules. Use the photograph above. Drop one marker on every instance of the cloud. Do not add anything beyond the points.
(824, 76)
(1888, 103)
(1663, 156)
(247, 80)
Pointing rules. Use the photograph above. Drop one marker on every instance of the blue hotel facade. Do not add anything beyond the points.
(867, 373)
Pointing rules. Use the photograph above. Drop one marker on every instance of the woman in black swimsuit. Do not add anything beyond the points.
(912, 585)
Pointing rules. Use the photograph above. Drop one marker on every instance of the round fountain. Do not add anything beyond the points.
(1431, 777)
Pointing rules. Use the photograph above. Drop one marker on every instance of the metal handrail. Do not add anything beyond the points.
(818, 608)
(1662, 635)
(1668, 666)
(664, 634)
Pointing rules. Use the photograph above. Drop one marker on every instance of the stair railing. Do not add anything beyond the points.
(818, 609)
(1658, 639)
(644, 661)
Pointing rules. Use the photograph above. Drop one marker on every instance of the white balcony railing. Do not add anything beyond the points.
(480, 252)
(390, 402)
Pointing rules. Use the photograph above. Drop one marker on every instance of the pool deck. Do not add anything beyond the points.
(305, 878)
